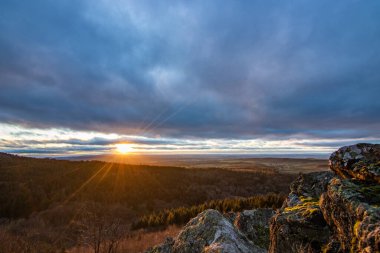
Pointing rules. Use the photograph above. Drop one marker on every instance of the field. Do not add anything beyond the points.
(50, 205)
(233, 162)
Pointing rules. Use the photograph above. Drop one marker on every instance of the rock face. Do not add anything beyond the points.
(299, 225)
(335, 212)
(360, 161)
(255, 225)
(352, 211)
(211, 232)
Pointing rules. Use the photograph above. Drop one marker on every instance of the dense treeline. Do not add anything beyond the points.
(29, 185)
(182, 215)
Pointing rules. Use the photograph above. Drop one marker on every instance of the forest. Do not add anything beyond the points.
(49, 205)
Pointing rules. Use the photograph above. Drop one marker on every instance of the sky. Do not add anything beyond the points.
(250, 77)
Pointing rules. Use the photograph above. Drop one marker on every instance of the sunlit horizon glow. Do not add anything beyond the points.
(60, 142)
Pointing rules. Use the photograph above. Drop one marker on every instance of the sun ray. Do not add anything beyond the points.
(85, 183)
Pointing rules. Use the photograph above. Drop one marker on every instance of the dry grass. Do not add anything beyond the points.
(143, 240)
(138, 241)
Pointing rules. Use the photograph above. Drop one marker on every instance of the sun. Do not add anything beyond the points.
(123, 148)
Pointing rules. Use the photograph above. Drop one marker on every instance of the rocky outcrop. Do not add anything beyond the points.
(299, 225)
(352, 211)
(334, 212)
(212, 232)
(351, 204)
(328, 212)
(360, 161)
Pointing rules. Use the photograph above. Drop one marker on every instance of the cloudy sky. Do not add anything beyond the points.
(77, 77)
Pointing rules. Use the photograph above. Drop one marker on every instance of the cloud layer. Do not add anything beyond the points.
(193, 69)
(66, 142)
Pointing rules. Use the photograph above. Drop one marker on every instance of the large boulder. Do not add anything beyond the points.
(352, 210)
(299, 225)
(209, 232)
(360, 161)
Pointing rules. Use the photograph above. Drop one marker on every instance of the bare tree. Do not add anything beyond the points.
(100, 231)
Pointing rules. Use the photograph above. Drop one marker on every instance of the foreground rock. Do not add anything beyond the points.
(210, 232)
(352, 210)
(333, 213)
(299, 225)
(360, 161)
(255, 225)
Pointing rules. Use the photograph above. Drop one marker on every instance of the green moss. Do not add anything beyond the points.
(308, 199)
(371, 190)
(262, 239)
(371, 193)
(357, 190)
(354, 247)
(353, 154)
(310, 211)
(306, 209)
(356, 228)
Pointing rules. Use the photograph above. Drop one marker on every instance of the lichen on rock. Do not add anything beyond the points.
(299, 225)
(352, 211)
(360, 161)
(333, 213)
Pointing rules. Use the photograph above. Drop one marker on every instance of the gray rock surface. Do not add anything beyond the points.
(307, 186)
(255, 225)
(333, 213)
(166, 247)
(299, 225)
(352, 210)
(209, 232)
(360, 161)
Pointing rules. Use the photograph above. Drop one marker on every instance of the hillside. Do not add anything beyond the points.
(46, 202)
(30, 185)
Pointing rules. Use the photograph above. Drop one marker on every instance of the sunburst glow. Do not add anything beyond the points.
(123, 148)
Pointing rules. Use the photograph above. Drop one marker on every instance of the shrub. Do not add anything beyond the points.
(181, 215)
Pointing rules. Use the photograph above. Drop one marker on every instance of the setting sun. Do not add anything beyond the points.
(124, 148)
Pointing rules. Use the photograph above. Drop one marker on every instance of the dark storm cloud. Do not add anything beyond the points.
(38, 151)
(334, 144)
(193, 69)
(97, 141)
